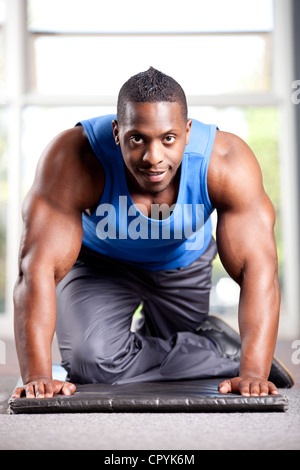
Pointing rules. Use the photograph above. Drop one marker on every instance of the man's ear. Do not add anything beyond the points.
(188, 130)
(116, 131)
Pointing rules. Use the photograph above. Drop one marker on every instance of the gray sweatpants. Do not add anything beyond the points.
(95, 304)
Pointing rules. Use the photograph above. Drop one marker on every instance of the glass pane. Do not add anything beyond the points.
(2, 11)
(3, 208)
(134, 16)
(2, 21)
(55, 120)
(259, 127)
(86, 65)
(2, 91)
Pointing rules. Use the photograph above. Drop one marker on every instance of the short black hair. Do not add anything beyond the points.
(151, 86)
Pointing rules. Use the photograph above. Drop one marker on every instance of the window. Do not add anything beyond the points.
(243, 63)
(3, 208)
(3, 167)
(202, 54)
(207, 55)
(2, 21)
(169, 16)
(78, 54)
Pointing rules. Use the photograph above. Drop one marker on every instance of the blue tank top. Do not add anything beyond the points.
(119, 230)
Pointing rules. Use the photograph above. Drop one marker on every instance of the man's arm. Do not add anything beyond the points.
(64, 186)
(247, 249)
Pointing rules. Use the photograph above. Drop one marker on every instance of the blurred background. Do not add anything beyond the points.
(62, 61)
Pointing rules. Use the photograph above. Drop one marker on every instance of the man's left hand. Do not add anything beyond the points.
(248, 386)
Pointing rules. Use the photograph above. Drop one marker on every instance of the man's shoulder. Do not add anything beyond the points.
(68, 170)
(233, 168)
(227, 148)
(74, 139)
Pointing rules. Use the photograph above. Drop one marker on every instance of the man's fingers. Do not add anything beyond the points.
(255, 389)
(68, 388)
(18, 392)
(48, 390)
(248, 387)
(273, 389)
(39, 389)
(29, 390)
(263, 389)
(55, 387)
(26, 390)
(44, 389)
(225, 387)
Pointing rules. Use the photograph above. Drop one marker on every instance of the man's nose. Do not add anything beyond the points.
(154, 155)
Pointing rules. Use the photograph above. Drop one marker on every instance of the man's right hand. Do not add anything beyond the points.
(44, 388)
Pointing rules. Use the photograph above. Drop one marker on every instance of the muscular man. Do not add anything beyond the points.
(119, 214)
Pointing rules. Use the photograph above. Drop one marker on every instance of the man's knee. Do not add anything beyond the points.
(101, 361)
(87, 361)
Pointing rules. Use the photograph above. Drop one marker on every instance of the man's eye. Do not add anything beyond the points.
(136, 139)
(170, 139)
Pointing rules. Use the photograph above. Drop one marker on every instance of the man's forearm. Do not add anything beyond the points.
(258, 320)
(35, 317)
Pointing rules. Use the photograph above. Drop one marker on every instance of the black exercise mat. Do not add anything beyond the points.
(180, 396)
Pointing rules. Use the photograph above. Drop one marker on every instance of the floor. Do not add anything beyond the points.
(149, 431)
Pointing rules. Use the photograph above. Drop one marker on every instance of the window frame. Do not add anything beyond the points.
(190, 19)
(111, 99)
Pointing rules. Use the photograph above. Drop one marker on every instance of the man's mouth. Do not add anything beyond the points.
(154, 176)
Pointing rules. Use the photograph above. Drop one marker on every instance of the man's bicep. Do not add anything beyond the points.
(245, 237)
(246, 217)
(51, 237)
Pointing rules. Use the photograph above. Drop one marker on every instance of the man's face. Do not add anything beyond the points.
(152, 137)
